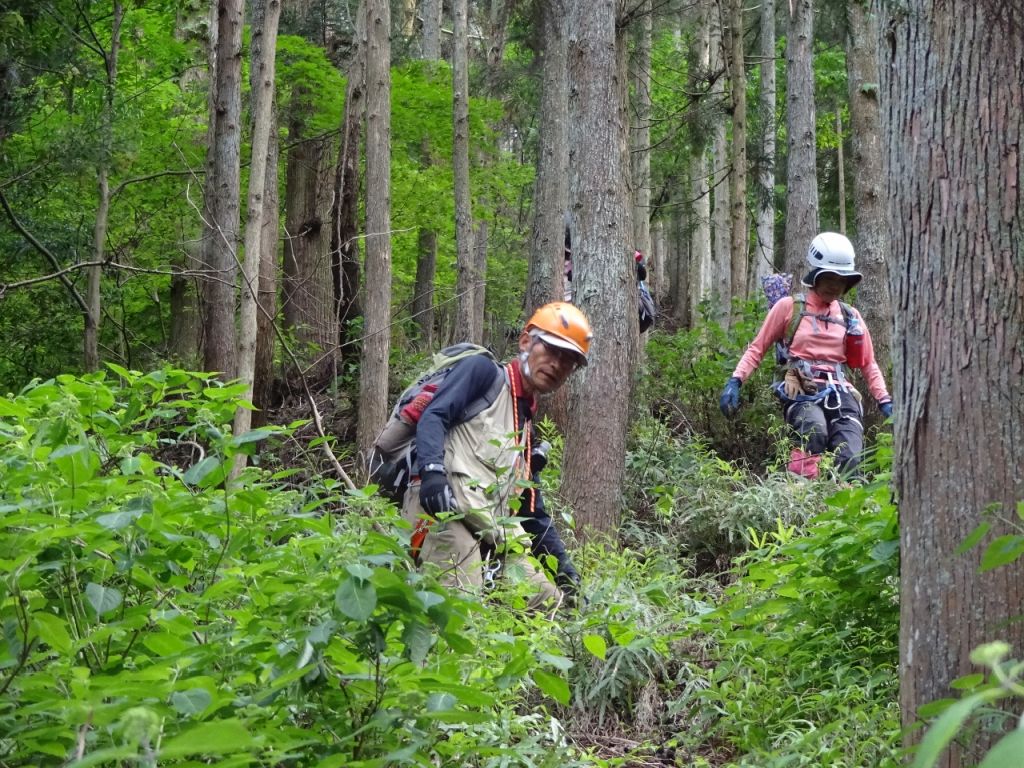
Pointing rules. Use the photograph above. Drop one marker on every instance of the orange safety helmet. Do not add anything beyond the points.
(562, 324)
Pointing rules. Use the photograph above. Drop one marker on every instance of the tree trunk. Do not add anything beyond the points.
(801, 173)
(263, 375)
(93, 297)
(261, 78)
(764, 252)
(308, 286)
(545, 278)
(431, 30)
(423, 292)
(700, 272)
(345, 264)
(373, 383)
(640, 135)
(738, 189)
(872, 241)
(220, 233)
(497, 36)
(466, 281)
(604, 281)
(953, 84)
(721, 229)
(480, 270)
(840, 171)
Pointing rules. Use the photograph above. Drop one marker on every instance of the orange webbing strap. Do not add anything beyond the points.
(419, 534)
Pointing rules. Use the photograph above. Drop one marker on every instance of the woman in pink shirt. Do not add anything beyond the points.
(820, 404)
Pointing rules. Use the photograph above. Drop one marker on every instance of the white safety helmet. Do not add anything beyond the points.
(831, 253)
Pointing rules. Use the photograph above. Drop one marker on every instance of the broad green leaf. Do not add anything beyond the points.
(552, 685)
(53, 631)
(1003, 550)
(945, 728)
(596, 645)
(418, 639)
(359, 570)
(254, 435)
(102, 599)
(191, 702)
(128, 514)
(356, 599)
(197, 472)
(68, 450)
(974, 537)
(1007, 753)
(439, 701)
(218, 737)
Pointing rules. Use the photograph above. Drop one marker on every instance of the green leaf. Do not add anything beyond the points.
(942, 731)
(356, 599)
(552, 685)
(1003, 550)
(220, 737)
(102, 599)
(1006, 753)
(197, 472)
(191, 702)
(128, 514)
(596, 645)
(974, 537)
(418, 639)
(53, 631)
(359, 570)
(440, 702)
(254, 435)
(67, 450)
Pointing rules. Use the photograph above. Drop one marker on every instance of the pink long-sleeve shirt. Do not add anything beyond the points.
(814, 340)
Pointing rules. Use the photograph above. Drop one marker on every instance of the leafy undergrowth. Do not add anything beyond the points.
(155, 614)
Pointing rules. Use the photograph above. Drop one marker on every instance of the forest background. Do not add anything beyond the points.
(307, 198)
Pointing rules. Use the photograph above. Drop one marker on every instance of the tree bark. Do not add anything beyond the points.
(431, 30)
(465, 257)
(93, 296)
(869, 213)
(263, 375)
(603, 281)
(700, 262)
(764, 251)
(262, 74)
(801, 172)
(738, 239)
(223, 184)
(308, 286)
(640, 136)
(345, 264)
(545, 278)
(423, 292)
(952, 82)
(373, 383)
(721, 229)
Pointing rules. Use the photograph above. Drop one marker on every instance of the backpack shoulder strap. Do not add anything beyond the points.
(848, 317)
(799, 302)
(487, 399)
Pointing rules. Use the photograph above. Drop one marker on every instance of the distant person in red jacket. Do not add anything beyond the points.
(818, 337)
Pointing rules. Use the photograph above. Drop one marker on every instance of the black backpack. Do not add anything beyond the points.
(648, 312)
(393, 455)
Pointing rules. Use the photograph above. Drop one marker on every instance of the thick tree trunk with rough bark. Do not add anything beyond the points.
(801, 172)
(373, 383)
(545, 278)
(266, 338)
(604, 280)
(952, 85)
(700, 262)
(640, 133)
(223, 182)
(465, 256)
(308, 289)
(431, 45)
(869, 212)
(764, 248)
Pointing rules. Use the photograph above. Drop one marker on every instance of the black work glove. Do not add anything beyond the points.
(886, 409)
(539, 457)
(435, 494)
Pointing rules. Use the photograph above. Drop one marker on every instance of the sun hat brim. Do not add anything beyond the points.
(558, 341)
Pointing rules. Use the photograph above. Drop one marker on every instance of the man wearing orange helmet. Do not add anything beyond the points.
(470, 470)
